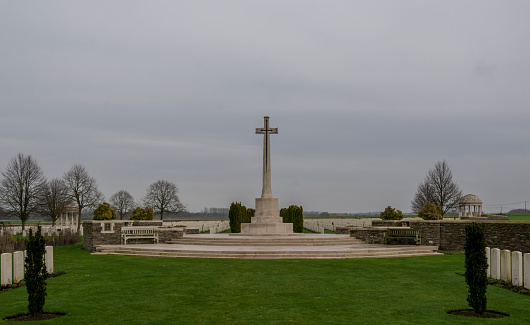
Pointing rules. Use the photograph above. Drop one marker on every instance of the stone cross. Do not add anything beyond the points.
(266, 192)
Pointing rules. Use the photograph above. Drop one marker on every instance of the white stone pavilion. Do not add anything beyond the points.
(470, 206)
(69, 217)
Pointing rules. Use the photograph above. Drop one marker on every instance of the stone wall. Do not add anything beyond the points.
(369, 235)
(451, 236)
(165, 235)
(108, 232)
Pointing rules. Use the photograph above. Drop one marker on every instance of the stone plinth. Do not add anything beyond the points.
(267, 220)
(267, 207)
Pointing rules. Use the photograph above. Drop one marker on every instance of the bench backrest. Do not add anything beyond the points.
(403, 232)
(137, 230)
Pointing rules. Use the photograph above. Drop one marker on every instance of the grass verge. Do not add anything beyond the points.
(103, 289)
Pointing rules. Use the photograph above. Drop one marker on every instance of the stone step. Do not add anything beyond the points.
(267, 241)
(269, 254)
(275, 256)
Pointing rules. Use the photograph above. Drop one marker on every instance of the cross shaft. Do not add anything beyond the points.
(266, 191)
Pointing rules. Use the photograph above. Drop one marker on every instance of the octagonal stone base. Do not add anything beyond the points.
(267, 220)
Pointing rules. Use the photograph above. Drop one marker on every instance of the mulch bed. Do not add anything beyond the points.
(26, 317)
(471, 313)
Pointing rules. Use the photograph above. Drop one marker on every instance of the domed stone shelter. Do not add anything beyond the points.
(470, 206)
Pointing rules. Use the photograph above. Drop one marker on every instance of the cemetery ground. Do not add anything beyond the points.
(105, 289)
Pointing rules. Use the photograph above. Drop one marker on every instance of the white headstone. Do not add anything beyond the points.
(506, 265)
(48, 259)
(517, 269)
(488, 256)
(18, 267)
(496, 263)
(527, 270)
(6, 269)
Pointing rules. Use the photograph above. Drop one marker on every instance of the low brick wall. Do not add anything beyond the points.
(343, 230)
(167, 234)
(451, 235)
(370, 235)
(108, 232)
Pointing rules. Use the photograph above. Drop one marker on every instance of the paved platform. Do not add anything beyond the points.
(301, 246)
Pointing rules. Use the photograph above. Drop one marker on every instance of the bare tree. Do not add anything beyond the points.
(21, 186)
(82, 189)
(438, 188)
(162, 197)
(54, 199)
(123, 202)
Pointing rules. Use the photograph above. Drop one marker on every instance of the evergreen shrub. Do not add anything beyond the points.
(430, 212)
(237, 214)
(35, 272)
(294, 214)
(104, 212)
(476, 267)
(391, 214)
(142, 214)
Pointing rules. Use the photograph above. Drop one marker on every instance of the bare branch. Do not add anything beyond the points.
(438, 188)
(54, 199)
(21, 187)
(123, 202)
(162, 197)
(82, 189)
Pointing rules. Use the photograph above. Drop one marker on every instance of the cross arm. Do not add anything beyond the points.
(265, 131)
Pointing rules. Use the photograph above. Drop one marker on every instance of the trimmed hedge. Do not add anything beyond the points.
(294, 214)
(476, 267)
(104, 212)
(142, 214)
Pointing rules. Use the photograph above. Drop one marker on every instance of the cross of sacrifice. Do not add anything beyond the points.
(266, 192)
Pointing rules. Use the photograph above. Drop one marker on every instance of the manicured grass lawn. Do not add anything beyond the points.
(519, 217)
(138, 290)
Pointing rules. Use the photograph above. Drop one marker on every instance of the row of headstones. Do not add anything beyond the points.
(313, 226)
(332, 224)
(204, 226)
(509, 266)
(45, 230)
(12, 266)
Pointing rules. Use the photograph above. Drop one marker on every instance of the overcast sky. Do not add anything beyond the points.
(367, 97)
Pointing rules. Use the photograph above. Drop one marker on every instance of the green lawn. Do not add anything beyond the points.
(519, 217)
(137, 290)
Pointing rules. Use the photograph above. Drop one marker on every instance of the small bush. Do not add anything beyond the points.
(294, 214)
(430, 212)
(391, 214)
(142, 214)
(476, 267)
(238, 213)
(104, 212)
(35, 272)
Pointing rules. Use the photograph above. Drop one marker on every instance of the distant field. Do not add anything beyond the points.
(29, 222)
(519, 217)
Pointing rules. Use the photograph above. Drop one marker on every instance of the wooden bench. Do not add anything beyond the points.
(138, 232)
(403, 233)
